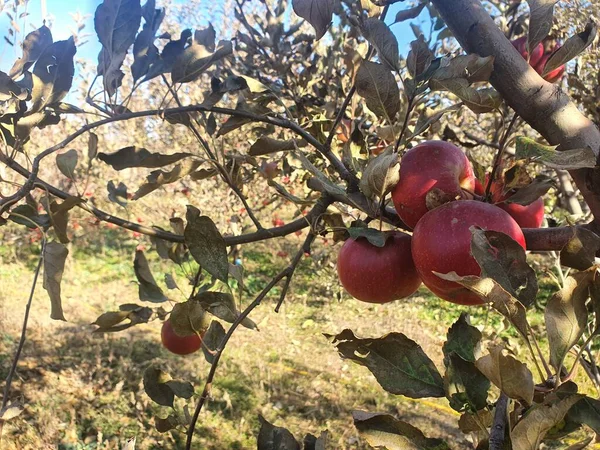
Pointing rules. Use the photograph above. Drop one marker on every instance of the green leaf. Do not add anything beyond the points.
(502, 301)
(222, 305)
(504, 260)
(378, 34)
(586, 411)
(116, 23)
(397, 362)
(374, 236)
(196, 59)
(167, 424)
(139, 157)
(531, 429)
(472, 67)
(477, 100)
(419, 57)
(117, 194)
(381, 174)
(182, 389)
(148, 289)
(266, 146)
(566, 315)
(145, 52)
(271, 437)
(463, 339)
(67, 163)
(508, 374)
(189, 318)
(540, 21)
(158, 178)
(466, 387)
(531, 192)
(317, 12)
(572, 47)
(156, 387)
(580, 158)
(376, 84)
(9, 90)
(55, 255)
(385, 431)
(410, 13)
(206, 244)
(33, 46)
(29, 215)
(580, 252)
(212, 339)
(53, 74)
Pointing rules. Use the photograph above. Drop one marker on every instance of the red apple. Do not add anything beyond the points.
(537, 54)
(432, 164)
(378, 274)
(530, 216)
(180, 345)
(442, 243)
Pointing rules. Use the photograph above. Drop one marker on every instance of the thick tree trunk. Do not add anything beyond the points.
(543, 105)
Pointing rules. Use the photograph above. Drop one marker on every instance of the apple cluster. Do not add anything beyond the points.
(440, 199)
(539, 57)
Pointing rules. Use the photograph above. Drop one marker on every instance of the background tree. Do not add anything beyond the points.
(320, 106)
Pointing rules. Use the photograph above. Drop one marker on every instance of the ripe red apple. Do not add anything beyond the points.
(180, 345)
(442, 243)
(537, 54)
(378, 274)
(529, 216)
(432, 164)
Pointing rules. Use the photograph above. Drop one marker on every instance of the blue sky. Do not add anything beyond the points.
(62, 23)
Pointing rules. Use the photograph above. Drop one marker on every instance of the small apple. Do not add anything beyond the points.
(431, 165)
(537, 54)
(442, 243)
(180, 345)
(378, 274)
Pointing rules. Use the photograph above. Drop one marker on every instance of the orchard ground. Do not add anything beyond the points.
(84, 390)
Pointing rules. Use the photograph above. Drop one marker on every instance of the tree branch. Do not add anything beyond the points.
(288, 272)
(276, 121)
(498, 429)
(542, 105)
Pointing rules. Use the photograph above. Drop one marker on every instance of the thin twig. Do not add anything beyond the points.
(498, 158)
(15, 361)
(222, 171)
(348, 99)
(219, 352)
(276, 121)
(292, 267)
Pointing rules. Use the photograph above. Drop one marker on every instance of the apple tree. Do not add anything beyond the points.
(433, 167)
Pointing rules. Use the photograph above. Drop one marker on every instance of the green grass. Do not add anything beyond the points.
(83, 390)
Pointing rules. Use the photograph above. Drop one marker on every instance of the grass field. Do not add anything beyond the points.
(84, 390)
